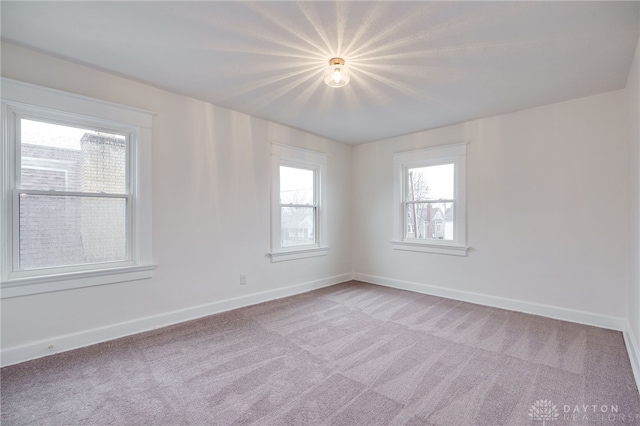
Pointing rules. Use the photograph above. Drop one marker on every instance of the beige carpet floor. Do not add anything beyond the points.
(351, 354)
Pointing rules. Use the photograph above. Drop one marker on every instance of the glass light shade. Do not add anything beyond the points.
(337, 73)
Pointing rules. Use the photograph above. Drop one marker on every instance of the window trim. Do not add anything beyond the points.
(285, 155)
(24, 100)
(445, 154)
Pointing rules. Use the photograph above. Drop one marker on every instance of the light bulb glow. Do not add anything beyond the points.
(337, 73)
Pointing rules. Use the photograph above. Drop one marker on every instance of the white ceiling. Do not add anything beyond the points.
(415, 65)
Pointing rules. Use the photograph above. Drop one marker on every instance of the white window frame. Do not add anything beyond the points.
(23, 100)
(446, 154)
(284, 155)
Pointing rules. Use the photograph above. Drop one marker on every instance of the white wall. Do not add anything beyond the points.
(633, 295)
(211, 217)
(547, 202)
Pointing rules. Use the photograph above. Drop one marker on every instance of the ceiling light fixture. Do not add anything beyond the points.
(337, 73)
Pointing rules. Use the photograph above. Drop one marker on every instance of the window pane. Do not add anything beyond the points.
(62, 231)
(430, 183)
(429, 221)
(296, 186)
(65, 158)
(297, 226)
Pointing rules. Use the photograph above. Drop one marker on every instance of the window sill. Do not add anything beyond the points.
(17, 287)
(301, 253)
(450, 249)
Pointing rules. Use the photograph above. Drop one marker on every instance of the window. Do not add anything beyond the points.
(77, 191)
(76, 210)
(298, 223)
(430, 204)
(298, 206)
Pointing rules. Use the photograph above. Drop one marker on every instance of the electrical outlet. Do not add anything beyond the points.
(50, 348)
(243, 279)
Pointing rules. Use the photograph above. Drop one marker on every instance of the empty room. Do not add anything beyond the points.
(320, 213)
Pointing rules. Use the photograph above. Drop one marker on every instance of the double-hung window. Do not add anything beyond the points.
(72, 195)
(430, 200)
(298, 223)
(75, 192)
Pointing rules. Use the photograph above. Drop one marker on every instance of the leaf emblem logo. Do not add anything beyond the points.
(544, 410)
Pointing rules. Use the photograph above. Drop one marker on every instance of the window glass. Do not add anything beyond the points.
(433, 221)
(68, 230)
(298, 223)
(430, 183)
(65, 158)
(429, 202)
(64, 227)
(298, 226)
(296, 185)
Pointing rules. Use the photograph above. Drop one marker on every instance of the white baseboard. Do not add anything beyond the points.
(634, 353)
(565, 314)
(38, 349)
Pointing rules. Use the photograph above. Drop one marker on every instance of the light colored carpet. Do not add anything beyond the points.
(351, 354)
